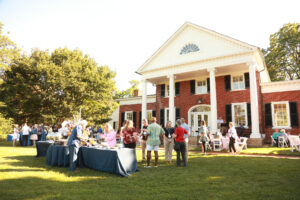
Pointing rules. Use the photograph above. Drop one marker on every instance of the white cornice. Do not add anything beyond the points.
(136, 100)
(280, 86)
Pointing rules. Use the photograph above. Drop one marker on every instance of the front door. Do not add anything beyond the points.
(197, 117)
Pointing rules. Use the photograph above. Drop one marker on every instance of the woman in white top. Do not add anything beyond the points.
(203, 136)
(232, 137)
(25, 131)
(15, 134)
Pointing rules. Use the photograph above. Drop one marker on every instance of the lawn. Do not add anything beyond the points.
(22, 176)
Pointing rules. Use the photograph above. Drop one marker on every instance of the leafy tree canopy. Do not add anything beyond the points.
(134, 85)
(50, 87)
(283, 56)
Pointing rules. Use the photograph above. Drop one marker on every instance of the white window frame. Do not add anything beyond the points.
(287, 112)
(237, 75)
(167, 90)
(196, 86)
(166, 116)
(149, 111)
(128, 112)
(246, 113)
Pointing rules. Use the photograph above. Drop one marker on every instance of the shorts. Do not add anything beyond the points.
(152, 148)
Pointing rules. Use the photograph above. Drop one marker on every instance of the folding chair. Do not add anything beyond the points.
(273, 141)
(294, 143)
(243, 143)
(217, 145)
(281, 142)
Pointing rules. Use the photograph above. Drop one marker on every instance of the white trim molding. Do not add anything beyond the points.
(280, 86)
(246, 113)
(287, 112)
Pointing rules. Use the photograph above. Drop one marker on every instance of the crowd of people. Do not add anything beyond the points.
(279, 133)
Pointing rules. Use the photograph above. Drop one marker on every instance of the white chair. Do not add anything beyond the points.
(217, 145)
(243, 143)
(281, 142)
(294, 142)
(273, 141)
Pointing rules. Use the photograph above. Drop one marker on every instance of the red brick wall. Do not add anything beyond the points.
(292, 96)
(135, 108)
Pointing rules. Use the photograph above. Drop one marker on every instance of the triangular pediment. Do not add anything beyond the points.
(192, 43)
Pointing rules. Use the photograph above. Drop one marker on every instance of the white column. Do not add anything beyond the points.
(171, 100)
(254, 102)
(144, 100)
(213, 100)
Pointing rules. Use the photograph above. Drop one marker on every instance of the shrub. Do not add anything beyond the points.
(5, 127)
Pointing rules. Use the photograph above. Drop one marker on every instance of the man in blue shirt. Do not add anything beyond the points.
(74, 143)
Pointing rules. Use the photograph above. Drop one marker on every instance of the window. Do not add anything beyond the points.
(238, 82)
(201, 87)
(189, 48)
(129, 115)
(149, 115)
(167, 91)
(280, 114)
(166, 115)
(239, 111)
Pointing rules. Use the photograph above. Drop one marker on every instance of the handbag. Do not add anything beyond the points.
(177, 146)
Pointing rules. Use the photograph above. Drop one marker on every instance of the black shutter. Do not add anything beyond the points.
(162, 117)
(227, 83)
(246, 77)
(208, 85)
(153, 113)
(134, 119)
(140, 120)
(177, 89)
(192, 86)
(122, 118)
(228, 113)
(294, 114)
(268, 115)
(177, 113)
(162, 90)
(249, 114)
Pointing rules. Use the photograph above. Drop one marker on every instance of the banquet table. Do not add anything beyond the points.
(121, 161)
(225, 142)
(42, 147)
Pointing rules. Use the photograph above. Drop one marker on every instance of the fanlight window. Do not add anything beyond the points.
(189, 48)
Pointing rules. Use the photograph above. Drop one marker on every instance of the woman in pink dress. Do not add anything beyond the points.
(109, 135)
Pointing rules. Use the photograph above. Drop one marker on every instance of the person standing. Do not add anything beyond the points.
(25, 133)
(203, 136)
(180, 144)
(74, 143)
(40, 132)
(232, 138)
(168, 141)
(15, 135)
(130, 135)
(186, 136)
(34, 136)
(109, 135)
(154, 131)
(144, 139)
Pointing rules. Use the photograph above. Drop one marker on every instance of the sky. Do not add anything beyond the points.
(123, 34)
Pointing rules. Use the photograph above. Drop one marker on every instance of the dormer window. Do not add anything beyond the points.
(189, 48)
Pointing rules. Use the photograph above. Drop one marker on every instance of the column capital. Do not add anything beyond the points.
(171, 75)
(250, 63)
(211, 69)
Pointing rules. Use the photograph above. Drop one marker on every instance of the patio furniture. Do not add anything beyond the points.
(217, 145)
(273, 141)
(242, 143)
(282, 142)
(294, 142)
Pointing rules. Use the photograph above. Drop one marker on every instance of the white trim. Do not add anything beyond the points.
(189, 113)
(127, 112)
(136, 100)
(196, 85)
(246, 113)
(287, 112)
(280, 86)
(237, 75)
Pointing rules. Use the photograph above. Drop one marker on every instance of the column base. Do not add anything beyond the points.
(255, 142)
(255, 135)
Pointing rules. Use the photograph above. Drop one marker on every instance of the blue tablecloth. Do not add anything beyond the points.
(9, 137)
(57, 155)
(118, 161)
(42, 147)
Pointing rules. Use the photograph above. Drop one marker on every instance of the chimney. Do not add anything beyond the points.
(136, 93)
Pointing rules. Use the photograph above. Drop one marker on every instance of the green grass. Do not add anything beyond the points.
(22, 176)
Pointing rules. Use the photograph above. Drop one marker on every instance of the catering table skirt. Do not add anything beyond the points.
(42, 147)
(58, 155)
(117, 161)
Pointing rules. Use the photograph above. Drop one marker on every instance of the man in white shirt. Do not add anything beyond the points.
(186, 136)
(25, 133)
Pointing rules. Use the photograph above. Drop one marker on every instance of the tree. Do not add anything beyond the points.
(128, 92)
(8, 50)
(283, 56)
(49, 88)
